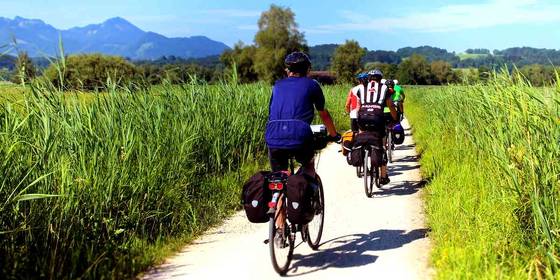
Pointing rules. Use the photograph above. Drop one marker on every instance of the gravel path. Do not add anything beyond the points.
(379, 237)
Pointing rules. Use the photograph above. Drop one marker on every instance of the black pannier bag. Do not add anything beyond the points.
(356, 156)
(374, 139)
(300, 193)
(255, 197)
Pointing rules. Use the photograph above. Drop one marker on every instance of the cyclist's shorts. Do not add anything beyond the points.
(354, 125)
(279, 158)
(388, 118)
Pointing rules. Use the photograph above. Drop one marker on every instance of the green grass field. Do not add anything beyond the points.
(464, 56)
(491, 154)
(100, 186)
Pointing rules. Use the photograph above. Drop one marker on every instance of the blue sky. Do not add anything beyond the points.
(389, 25)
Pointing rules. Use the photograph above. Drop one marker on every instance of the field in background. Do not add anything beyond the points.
(102, 186)
(491, 155)
(463, 56)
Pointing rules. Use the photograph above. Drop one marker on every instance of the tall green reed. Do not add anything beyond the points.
(90, 181)
(492, 154)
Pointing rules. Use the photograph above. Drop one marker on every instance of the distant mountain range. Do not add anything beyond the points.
(115, 36)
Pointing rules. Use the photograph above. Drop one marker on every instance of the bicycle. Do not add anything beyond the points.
(389, 146)
(370, 173)
(282, 241)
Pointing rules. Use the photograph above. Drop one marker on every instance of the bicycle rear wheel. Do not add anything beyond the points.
(389, 148)
(281, 244)
(368, 174)
(314, 229)
(376, 177)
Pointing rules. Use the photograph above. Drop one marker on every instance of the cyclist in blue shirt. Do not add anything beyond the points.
(291, 111)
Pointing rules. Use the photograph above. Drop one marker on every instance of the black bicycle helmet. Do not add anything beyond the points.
(297, 62)
(390, 83)
(375, 72)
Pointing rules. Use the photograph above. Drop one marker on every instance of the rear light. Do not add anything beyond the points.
(272, 204)
(276, 186)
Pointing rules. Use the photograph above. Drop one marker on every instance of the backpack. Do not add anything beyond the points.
(255, 197)
(300, 194)
(370, 115)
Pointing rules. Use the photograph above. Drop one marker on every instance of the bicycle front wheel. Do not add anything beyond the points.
(281, 246)
(368, 174)
(314, 229)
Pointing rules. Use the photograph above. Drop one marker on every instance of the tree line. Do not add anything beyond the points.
(277, 36)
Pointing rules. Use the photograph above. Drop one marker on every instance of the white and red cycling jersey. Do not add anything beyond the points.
(376, 93)
(352, 101)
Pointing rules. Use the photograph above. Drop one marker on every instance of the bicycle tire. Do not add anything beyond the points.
(319, 218)
(368, 174)
(389, 146)
(377, 176)
(282, 267)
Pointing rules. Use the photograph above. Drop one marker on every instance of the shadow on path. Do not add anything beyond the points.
(405, 147)
(402, 188)
(354, 250)
(166, 271)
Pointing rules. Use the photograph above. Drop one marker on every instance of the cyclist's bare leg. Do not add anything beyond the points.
(383, 171)
(309, 168)
(384, 166)
(280, 213)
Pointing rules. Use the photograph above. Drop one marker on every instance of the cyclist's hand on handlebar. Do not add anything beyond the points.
(337, 138)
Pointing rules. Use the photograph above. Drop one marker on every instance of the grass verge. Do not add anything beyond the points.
(491, 155)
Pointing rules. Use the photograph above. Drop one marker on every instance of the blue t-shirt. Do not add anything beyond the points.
(291, 111)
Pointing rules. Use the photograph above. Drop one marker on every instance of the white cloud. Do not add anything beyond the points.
(452, 17)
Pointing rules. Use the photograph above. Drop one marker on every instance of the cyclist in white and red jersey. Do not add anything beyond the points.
(352, 105)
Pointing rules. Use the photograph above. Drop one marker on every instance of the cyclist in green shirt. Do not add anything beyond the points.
(397, 98)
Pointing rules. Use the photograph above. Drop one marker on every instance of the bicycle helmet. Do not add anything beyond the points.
(390, 83)
(396, 82)
(297, 62)
(375, 72)
(361, 76)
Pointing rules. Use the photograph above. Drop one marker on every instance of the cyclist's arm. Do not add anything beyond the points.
(327, 120)
(389, 103)
(348, 102)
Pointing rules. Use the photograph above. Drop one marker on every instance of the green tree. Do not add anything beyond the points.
(346, 61)
(91, 72)
(467, 75)
(25, 70)
(242, 58)
(277, 36)
(484, 74)
(442, 72)
(537, 74)
(414, 70)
